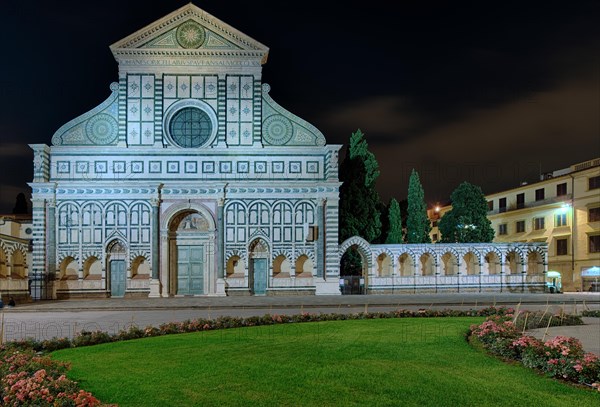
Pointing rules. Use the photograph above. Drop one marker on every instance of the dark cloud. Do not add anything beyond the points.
(483, 91)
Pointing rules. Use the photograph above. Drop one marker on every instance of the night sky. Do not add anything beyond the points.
(489, 92)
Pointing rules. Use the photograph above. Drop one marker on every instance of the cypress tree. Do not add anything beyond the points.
(417, 223)
(394, 233)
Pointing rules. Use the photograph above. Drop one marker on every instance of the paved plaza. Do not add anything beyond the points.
(48, 319)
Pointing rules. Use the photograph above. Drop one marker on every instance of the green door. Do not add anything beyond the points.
(190, 270)
(117, 278)
(260, 276)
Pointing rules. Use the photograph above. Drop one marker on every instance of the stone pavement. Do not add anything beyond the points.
(569, 301)
(47, 319)
(588, 334)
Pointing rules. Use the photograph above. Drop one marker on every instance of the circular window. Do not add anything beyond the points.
(190, 127)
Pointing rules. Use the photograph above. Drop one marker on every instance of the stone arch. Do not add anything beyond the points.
(68, 268)
(385, 262)
(18, 264)
(450, 262)
(140, 267)
(188, 207)
(535, 262)
(514, 259)
(3, 263)
(452, 250)
(362, 247)
(542, 251)
(4, 248)
(235, 267)
(97, 254)
(428, 263)
(472, 263)
(349, 249)
(406, 263)
(281, 266)
(92, 268)
(188, 252)
(304, 266)
(493, 261)
(240, 254)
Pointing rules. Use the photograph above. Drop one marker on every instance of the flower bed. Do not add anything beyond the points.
(561, 357)
(27, 379)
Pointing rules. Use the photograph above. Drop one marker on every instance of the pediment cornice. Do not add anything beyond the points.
(240, 46)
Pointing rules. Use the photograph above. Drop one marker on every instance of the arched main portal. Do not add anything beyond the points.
(191, 247)
(259, 257)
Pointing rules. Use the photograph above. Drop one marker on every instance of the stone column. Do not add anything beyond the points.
(155, 290)
(220, 248)
(321, 237)
(51, 241)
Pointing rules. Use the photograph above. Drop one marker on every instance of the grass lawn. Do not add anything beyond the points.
(412, 362)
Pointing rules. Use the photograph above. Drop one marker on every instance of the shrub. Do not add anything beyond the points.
(27, 379)
(560, 357)
(591, 313)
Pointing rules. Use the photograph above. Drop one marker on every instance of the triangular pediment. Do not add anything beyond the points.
(190, 30)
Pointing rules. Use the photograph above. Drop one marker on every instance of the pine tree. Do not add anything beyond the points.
(394, 233)
(467, 221)
(417, 223)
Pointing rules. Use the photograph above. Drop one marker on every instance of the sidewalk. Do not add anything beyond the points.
(572, 302)
(588, 334)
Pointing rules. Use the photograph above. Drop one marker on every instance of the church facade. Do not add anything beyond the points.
(188, 180)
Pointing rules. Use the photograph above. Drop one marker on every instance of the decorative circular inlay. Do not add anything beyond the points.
(277, 130)
(102, 129)
(190, 127)
(190, 34)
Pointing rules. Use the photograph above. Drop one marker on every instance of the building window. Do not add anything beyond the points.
(502, 229)
(594, 244)
(594, 182)
(434, 237)
(594, 214)
(561, 189)
(560, 220)
(539, 194)
(502, 205)
(561, 247)
(190, 127)
(490, 205)
(520, 226)
(538, 223)
(520, 201)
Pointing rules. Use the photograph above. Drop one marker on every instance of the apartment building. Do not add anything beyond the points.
(562, 210)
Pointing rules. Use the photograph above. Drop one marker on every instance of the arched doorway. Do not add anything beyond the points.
(259, 255)
(354, 270)
(116, 256)
(190, 246)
